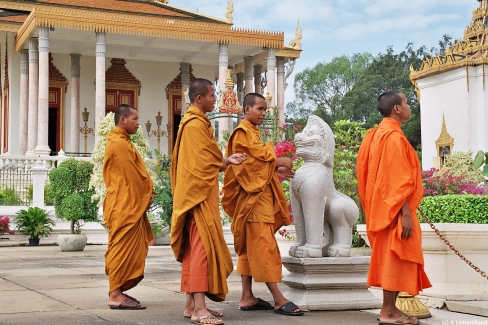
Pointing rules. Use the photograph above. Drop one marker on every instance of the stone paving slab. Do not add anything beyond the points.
(469, 307)
(42, 285)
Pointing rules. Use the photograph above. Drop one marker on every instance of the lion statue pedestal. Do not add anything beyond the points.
(323, 275)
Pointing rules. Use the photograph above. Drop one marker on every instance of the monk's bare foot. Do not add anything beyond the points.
(248, 302)
(212, 312)
(397, 318)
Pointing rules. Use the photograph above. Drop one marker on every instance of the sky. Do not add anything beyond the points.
(332, 28)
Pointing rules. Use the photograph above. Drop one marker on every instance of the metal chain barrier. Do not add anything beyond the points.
(461, 256)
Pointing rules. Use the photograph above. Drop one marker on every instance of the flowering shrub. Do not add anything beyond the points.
(97, 155)
(5, 226)
(438, 182)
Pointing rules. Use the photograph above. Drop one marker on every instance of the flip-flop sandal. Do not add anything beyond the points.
(288, 310)
(401, 320)
(260, 305)
(128, 304)
(199, 320)
(132, 298)
(214, 313)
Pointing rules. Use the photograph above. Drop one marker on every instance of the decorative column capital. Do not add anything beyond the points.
(75, 65)
(100, 48)
(280, 66)
(24, 61)
(33, 51)
(271, 62)
(185, 73)
(43, 39)
(248, 69)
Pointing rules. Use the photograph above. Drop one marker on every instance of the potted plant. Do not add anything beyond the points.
(33, 223)
(73, 200)
(5, 226)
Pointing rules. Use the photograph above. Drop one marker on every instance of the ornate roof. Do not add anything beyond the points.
(472, 49)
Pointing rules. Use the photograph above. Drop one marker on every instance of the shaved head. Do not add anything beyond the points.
(122, 110)
(198, 86)
(387, 101)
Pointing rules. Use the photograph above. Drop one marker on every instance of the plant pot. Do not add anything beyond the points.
(72, 242)
(164, 239)
(34, 241)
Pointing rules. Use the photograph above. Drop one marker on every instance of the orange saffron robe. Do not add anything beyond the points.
(388, 173)
(245, 184)
(129, 190)
(195, 166)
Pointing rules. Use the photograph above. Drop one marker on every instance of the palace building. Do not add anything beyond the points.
(64, 62)
(454, 96)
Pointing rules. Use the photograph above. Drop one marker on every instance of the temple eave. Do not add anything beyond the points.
(143, 26)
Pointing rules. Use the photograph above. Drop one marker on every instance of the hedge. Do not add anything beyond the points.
(455, 208)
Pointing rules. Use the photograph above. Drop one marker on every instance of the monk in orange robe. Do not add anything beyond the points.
(390, 189)
(129, 195)
(197, 239)
(255, 201)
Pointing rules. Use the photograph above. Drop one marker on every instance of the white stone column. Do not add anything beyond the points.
(257, 78)
(100, 52)
(248, 74)
(42, 147)
(75, 103)
(24, 101)
(271, 80)
(280, 83)
(33, 87)
(223, 66)
(39, 175)
(185, 83)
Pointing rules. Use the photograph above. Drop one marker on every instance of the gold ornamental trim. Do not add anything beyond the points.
(9, 27)
(21, 6)
(435, 69)
(288, 53)
(87, 20)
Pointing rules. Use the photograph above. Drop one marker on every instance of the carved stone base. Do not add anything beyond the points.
(329, 283)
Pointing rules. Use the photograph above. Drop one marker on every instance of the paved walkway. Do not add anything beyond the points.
(42, 285)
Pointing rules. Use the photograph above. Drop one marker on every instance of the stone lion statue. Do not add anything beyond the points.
(323, 216)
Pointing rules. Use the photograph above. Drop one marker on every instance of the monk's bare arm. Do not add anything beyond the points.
(235, 159)
(284, 168)
(406, 220)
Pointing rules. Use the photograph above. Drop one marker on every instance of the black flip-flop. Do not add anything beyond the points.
(128, 304)
(132, 298)
(288, 310)
(260, 305)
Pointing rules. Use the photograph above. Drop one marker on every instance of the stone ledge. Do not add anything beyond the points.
(469, 307)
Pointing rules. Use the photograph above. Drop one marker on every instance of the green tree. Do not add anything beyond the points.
(320, 90)
(388, 71)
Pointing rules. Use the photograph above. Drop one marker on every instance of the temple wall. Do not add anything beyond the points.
(464, 111)
(154, 77)
(444, 93)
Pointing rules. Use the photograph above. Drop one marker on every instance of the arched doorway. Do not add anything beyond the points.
(121, 87)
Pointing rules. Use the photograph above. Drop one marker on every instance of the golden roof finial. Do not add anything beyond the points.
(296, 43)
(229, 83)
(230, 10)
(444, 138)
